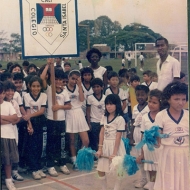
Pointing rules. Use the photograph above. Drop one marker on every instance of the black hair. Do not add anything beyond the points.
(59, 74)
(91, 51)
(143, 88)
(0, 65)
(25, 63)
(154, 74)
(30, 66)
(34, 79)
(2, 87)
(18, 76)
(86, 70)
(79, 61)
(162, 38)
(114, 99)
(48, 73)
(112, 74)
(97, 81)
(123, 73)
(182, 75)
(9, 64)
(9, 85)
(14, 66)
(5, 76)
(134, 77)
(133, 70)
(66, 75)
(147, 72)
(67, 63)
(109, 68)
(74, 72)
(175, 88)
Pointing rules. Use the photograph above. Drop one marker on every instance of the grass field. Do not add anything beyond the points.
(150, 64)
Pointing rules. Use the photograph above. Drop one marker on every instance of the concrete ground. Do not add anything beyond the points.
(75, 181)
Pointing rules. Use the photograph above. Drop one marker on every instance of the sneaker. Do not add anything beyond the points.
(52, 172)
(146, 186)
(22, 170)
(65, 170)
(41, 173)
(75, 168)
(141, 183)
(36, 175)
(141, 69)
(17, 176)
(10, 185)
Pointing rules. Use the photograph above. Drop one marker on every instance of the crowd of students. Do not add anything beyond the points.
(101, 106)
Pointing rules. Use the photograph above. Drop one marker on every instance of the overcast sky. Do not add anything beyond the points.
(167, 17)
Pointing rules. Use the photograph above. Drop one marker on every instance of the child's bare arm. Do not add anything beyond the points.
(124, 105)
(35, 114)
(66, 106)
(9, 118)
(117, 143)
(100, 145)
(88, 109)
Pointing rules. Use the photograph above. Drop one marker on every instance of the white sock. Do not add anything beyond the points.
(117, 184)
(143, 172)
(8, 180)
(151, 185)
(103, 182)
(73, 158)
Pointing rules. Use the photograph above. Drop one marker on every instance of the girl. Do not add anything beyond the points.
(110, 143)
(154, 104)
(75, 119)
(94, 56)
(86, 76)
(35, 104)
(173, 165)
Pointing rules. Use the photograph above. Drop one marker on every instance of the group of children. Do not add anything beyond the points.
(101, 106)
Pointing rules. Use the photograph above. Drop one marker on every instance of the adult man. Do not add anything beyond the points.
(59, 62)
(168, 68)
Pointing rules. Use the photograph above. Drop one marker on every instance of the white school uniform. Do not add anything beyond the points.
(147, 123)
(99, 72)
(35, 104)
(110, 130)
(97, 107)
(87, 92)
(62, 98)
(151, 86)
(137, 116)
(173, 165)
(75, 119)
(18, 98)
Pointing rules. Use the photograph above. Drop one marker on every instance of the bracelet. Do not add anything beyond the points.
(100, 145)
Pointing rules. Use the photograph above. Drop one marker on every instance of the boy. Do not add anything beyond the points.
(113, 80)
(95, 108)
(141, 57)
(9, 151)
(139, 110)
(148, 80)
(6, 76)
(31, 68)
(67, 67)
(55, 147)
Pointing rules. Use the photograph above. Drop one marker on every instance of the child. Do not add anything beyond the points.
(86, 76)
(148, 80)
(129, 60)
(55, 147)
(75, 119)
(25, 65)
(94, 56)
(35, 104)
(67, 67)
(141, 58)
(9, 150)
(154, 77)
(173, 165)
(31, 68)
(123, 63)
(113, 80)
(139, 110)
(80, 64)
(154, 104)
(94, 111)
(110, 143)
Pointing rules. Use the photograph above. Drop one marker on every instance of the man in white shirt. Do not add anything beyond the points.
(168, 68)
(59, 62)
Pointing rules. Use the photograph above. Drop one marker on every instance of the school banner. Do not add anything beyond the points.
(49, 28)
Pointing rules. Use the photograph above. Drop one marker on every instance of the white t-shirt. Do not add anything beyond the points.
(35, 104)
(98, 73)
(111, 128)
(74, 97)
(151, 86)
(178, 130)
(171, 68)
(80, 66)
(97, 107)
(123, 61)
(62, 98)
(7, 130)
(147, 122)
(129, 58)
(62, 64)
(18, 98)
(137, 114)
(141, 57)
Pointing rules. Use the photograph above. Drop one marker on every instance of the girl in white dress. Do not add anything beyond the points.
(75, 119)
(154, 104)
(110, 143)
(173, 164)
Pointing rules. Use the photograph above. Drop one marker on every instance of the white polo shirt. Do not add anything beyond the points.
(171, 68)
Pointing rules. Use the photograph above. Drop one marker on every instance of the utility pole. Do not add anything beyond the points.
(115, 47)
